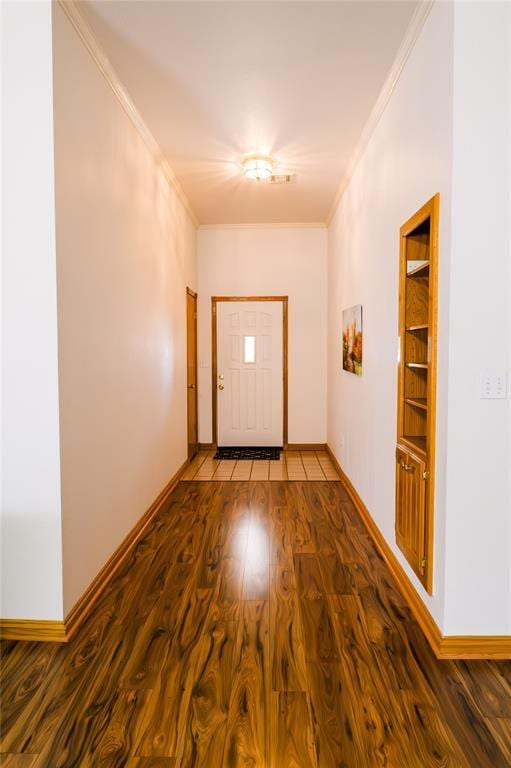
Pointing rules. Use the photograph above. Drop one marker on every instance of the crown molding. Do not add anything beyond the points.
(283, 225)
(85, 33)
(412, 33)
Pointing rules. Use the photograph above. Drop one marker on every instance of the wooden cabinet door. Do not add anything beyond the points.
(411, 508)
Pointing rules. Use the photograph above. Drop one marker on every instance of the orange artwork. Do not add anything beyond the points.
(352, 339)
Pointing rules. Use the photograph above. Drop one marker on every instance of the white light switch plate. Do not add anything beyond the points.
(493, 385)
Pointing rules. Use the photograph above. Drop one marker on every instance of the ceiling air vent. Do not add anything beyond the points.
(282, 178)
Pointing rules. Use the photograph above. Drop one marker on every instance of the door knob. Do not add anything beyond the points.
(191, 386)
(220, 386)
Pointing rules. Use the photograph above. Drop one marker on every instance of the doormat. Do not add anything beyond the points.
(248, 454)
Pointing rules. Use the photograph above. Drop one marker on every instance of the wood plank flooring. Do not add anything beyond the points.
(254, 626)
(292, 465)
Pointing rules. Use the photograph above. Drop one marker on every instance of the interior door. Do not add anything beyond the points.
(250, 390)
(191, 352)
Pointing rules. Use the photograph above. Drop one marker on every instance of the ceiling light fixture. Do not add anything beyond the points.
(257, 167)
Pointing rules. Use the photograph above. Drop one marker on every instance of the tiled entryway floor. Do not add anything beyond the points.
(293, 465)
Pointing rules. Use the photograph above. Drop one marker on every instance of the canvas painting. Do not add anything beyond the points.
(352, 339)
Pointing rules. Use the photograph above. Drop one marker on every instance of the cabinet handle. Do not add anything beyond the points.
(406, 467)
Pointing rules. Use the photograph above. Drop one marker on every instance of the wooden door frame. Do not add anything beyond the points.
(214, 348)
(193, 294)
(430, 210)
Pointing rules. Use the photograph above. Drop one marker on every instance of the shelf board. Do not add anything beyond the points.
(417, 402)
(422, 366)
(422, 327)
(417, 442)
(421, 271)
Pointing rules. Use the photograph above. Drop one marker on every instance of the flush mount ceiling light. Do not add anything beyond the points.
(257, 167)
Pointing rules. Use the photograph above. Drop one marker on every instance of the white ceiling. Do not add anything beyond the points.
(215, 81)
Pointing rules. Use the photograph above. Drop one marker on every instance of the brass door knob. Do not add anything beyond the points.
(220, 386)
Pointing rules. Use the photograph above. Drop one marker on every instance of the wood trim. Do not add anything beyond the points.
(443, 646)
(306, 446)
(85, 604)
(214, 349)
(430, 210)
(86, 35)
(214, 371)
(285, 373)
(63, 631)
(249, 298)
(33, 630)
(412, 33)
(475, 647)
(289, 446)
(193, 296)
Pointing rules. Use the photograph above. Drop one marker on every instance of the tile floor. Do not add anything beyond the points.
(293, 465)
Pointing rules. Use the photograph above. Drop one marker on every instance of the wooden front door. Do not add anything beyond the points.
(191, 351)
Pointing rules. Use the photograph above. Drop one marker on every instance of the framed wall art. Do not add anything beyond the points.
(352, 339)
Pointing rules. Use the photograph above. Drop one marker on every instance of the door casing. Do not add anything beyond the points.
(214, 367)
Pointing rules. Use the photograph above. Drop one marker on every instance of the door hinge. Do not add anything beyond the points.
(425, 475)
(423, 564)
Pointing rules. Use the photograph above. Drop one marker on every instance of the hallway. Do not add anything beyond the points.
(254, 625)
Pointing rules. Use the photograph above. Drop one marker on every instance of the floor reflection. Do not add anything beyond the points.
(251, 547)
(257, 550)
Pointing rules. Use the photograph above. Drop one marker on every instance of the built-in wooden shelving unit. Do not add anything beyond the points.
(416, 389)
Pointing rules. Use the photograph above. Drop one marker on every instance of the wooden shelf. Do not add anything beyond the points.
(417, 442)
(421, 271)
(417, 402)
(423, 327)
(422, 366)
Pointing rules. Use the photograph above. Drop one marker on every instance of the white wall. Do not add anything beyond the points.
(31, 528)
(271, 261)
(126, 251)
(445, 129)
(478, 594)
(407, 160)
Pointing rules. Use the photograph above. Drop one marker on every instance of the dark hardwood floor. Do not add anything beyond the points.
(254, 626)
